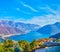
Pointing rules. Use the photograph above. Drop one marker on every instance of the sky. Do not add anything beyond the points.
(41, 12)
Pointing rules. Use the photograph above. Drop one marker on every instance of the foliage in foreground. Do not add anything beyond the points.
(22, 45)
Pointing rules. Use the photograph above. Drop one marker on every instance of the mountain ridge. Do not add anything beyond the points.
(55, 36)
(50, 29)
(11, 27)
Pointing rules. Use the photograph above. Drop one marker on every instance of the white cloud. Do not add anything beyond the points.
(46, 19)
(28, 6)
(47, 8)
(28, 13)
(18, 9)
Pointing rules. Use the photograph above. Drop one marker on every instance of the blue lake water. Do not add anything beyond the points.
(50, 49)
(29, 36)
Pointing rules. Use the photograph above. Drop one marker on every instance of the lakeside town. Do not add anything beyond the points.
(25, 46)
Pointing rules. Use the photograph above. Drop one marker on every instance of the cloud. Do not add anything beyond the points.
(18, 9)
(28, 13)
(20, 19)
(6, 17)
(28, 6)
(47, 8)
(45, 19)
(51, 10)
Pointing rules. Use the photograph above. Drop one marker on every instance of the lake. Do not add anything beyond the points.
(29, 36)
(50, 49)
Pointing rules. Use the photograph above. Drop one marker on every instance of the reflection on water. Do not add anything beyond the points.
(50, 49)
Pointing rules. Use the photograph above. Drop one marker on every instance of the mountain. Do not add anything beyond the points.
(11, 27)
(57, 24)
(50, 29)
(26, 26)
(55, 36)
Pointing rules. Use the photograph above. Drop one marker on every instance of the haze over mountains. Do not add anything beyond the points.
(55, 36)
(42, 32)
(27, 31)
(11, 27)
(50, 29)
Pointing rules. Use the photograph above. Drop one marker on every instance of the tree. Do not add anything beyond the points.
(54, 40)
(17, 49)
(25, 45)
(27, 48)
(1, 47)
(58, 40)
(22, 43)
(33, 44)
(8, 43)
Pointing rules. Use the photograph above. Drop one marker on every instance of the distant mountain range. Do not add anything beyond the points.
(11, 27)
(28, 32)
(50, 29)
(55, 36)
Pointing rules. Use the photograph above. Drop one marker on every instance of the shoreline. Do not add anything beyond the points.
(4, 36)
